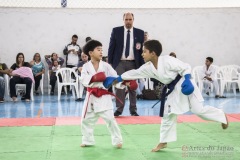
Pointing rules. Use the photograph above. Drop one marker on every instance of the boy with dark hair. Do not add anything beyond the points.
(98, 101)
(209, 77)
(183, 94)
(173, 54)
(210, 59)
(87, 39)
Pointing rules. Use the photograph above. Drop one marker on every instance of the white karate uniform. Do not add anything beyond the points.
(177, 103)
(98, 106)
(212, 73)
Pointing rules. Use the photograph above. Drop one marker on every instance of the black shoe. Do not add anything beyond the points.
(207, 93)
(139, 96)
(52, 93)
(117, 113)
(23, 98)
(134, 114)
(1, 100)
(79, 99)
(36, 92)
(217, 96)
(222, 97)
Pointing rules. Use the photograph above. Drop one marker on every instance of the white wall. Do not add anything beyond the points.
(193, 34)
(121, 4)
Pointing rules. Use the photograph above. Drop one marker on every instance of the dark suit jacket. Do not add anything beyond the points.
(116, 44)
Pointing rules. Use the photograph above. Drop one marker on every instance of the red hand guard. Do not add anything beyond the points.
(133, 84)
(98, 77)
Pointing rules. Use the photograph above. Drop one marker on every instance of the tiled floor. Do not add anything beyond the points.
(49, 106)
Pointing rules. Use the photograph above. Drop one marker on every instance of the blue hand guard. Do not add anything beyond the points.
(187, 86)
(108, 81)
(187, 76)
(119, 79)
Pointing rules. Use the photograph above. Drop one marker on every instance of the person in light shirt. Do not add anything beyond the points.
(73, 53)
(38, 70)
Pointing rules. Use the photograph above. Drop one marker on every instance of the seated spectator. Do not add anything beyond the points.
(209, 76)
(16, 79)
(173, 54)
(50, 58)
(84, 58)
(105, 59)
(53, 77)
(146, 36)
(88, 39)
(3, 70)
(38, 69)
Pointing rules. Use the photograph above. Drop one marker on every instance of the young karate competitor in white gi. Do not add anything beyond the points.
(98, 101)
(209, 76)
(184, 95)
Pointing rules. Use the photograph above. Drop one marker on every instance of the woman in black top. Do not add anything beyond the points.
(19, 80)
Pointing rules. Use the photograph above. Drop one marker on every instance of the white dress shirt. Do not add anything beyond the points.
(131, 54)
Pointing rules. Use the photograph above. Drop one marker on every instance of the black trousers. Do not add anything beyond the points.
(18, 80)
(37, 81)
(70, 66)
(53, 79)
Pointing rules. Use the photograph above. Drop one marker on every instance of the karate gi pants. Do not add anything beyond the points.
(88, 123)
(168, 132)
(208, 84)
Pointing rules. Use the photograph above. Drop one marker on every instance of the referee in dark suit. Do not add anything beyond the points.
(124, 54)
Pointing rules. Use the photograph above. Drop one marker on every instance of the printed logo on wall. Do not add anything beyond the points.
(64, 3)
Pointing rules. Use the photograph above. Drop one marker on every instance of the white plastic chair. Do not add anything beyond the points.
(20, 87)
(230, 77)
(80, 87)
(67, 80)
(50, 87)
(48, 83)
(6, 94)
(196, 73)
(148, 84)
(236, 73)
(237, 76)
(41, 84)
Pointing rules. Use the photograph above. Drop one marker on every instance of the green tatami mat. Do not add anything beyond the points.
(195, 141)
